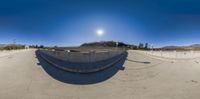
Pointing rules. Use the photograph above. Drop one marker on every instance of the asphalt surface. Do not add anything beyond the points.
(24, 75)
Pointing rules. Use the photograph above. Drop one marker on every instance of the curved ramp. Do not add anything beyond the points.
(82, 67)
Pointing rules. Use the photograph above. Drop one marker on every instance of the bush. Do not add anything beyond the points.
(13, 47)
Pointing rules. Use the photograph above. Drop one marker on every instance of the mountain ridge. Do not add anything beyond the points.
(189, 47)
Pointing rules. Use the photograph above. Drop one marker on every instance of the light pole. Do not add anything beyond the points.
(14, 41)
(152, 47)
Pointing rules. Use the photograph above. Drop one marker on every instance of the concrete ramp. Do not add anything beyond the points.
(83, 62)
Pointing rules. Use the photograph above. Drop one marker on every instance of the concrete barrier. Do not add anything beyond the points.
(83, 57)
(174, 54)
(82, 62)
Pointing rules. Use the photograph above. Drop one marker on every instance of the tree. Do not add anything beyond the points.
(41, 46)
(141, 46)
(146, 46)
(134, 47)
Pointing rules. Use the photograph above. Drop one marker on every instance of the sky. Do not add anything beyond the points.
(73, 22)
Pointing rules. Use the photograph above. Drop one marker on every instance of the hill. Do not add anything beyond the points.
(190, 47)
(104, 44)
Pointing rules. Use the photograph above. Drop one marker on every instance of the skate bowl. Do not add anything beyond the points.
(83, 62)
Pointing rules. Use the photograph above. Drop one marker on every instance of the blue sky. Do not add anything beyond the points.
(72, 22)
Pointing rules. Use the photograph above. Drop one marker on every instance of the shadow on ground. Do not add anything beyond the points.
(144, 62)
(80, 78)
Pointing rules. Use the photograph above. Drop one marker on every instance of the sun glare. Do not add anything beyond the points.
(99, 32)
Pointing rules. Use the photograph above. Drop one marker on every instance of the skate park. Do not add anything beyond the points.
(139, 73)
(99, 49)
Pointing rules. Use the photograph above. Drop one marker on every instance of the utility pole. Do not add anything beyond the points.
(14, 41)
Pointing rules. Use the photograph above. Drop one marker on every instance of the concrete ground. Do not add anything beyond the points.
(6, 53)
(144, 77)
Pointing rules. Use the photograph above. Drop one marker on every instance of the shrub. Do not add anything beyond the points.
(13, 47)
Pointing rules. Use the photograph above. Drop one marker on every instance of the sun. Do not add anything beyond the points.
(99, 32)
